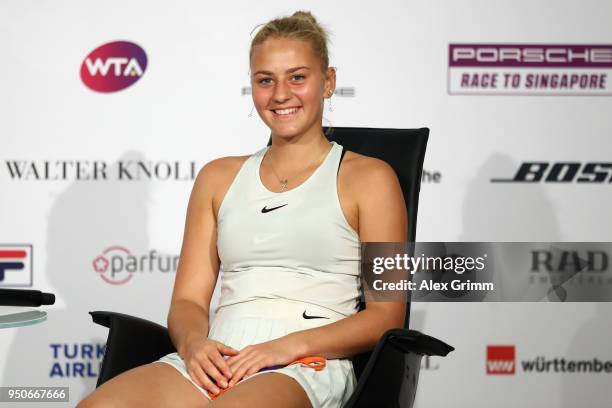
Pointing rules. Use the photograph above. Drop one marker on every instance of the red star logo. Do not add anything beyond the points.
(100, 264)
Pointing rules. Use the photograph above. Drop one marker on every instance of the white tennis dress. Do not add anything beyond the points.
(290, 261)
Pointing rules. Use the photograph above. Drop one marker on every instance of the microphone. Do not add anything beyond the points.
(22, 297)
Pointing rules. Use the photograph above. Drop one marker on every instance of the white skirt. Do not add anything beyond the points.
(262, 320)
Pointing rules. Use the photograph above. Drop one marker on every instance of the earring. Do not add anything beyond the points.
(331, 109)
(251, 112)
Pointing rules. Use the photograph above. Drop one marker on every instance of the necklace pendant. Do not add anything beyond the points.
(284, 183)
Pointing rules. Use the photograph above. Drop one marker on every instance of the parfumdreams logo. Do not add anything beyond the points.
(117, 265)
(113, 66)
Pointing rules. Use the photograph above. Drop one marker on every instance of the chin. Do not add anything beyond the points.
(287, 131)
(284, 133)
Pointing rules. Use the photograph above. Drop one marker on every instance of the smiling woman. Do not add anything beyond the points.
(284, 224)
(289, 98)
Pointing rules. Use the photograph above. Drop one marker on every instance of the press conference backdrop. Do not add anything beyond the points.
(108, 110)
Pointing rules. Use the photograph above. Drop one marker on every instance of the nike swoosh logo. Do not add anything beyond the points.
(265, 210)
(305, 316)
(258, 239)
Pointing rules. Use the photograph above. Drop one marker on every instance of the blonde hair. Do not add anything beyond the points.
(301, 25)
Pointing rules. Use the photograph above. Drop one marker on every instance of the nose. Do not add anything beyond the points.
(282, 93)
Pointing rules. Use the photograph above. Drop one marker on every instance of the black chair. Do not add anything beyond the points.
(387, 375)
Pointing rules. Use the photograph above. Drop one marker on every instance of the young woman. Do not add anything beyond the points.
(285, 223)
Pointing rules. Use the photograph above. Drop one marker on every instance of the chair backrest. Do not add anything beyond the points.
(402, 149)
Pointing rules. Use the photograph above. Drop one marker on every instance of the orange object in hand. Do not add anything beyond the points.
(316, 363)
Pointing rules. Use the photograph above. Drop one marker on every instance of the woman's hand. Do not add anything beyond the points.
(204, 360)
(253, 358)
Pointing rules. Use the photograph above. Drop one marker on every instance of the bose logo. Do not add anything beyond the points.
(560, 172)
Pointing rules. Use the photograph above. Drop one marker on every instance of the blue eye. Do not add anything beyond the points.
(300, 76)
(261, 81)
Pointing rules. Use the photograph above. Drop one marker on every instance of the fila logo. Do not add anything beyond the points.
(265, 209)
(15, 265)
(501, 360)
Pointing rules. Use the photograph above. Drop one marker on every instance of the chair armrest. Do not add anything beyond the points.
(131, 342)
(417, 342)
(25, 297)
(391, 375)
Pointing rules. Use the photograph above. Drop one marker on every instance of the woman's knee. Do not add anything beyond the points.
(269, 390)
(151, 385)
(95, 401)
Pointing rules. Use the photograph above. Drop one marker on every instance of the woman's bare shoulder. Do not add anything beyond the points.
(377, 194)
(214, 179)
(365, 172)
(216, 172)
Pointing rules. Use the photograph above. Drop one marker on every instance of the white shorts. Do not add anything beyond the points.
(262, 320)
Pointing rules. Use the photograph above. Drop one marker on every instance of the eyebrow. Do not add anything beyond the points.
(290, 70)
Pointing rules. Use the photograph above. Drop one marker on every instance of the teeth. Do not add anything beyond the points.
(285, 111)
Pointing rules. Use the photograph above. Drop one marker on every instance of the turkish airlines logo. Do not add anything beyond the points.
(113, 66)
(501, 360)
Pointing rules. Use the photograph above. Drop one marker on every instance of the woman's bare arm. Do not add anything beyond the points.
(198, 263)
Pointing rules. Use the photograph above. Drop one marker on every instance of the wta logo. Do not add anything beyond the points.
(114, 66)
